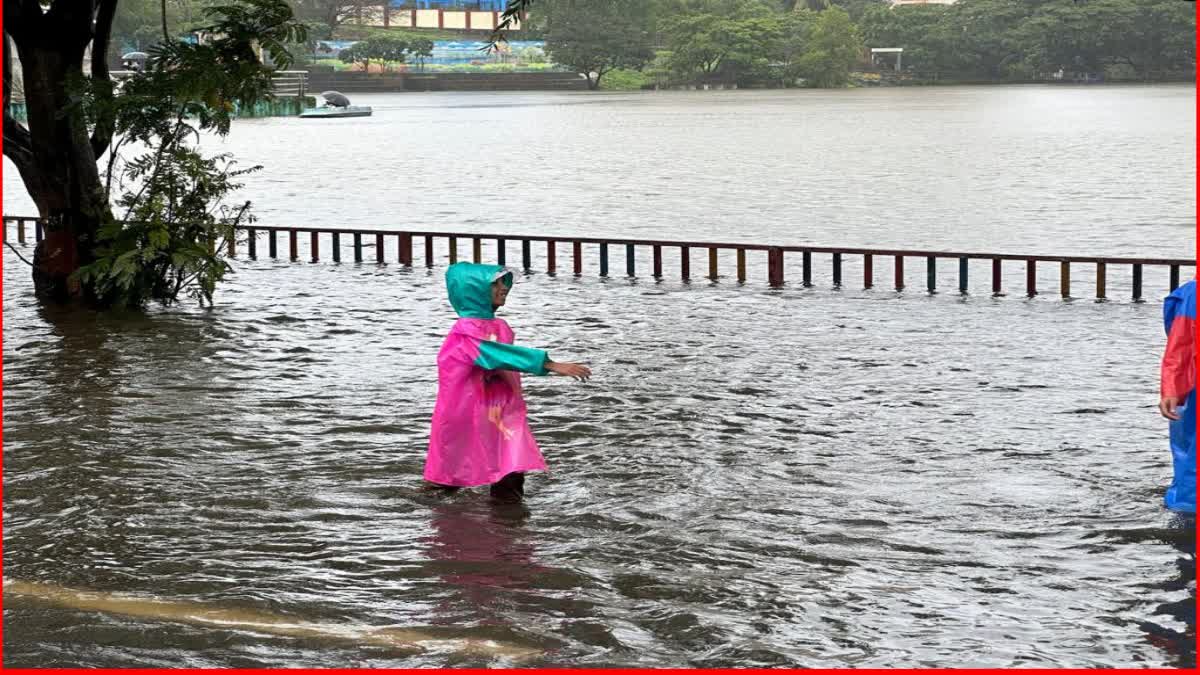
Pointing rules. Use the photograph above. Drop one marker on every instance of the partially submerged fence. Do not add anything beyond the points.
(429, 249)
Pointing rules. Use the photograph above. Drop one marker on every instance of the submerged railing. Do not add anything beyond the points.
(405, 242)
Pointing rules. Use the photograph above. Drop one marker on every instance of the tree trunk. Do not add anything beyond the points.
(57, 162)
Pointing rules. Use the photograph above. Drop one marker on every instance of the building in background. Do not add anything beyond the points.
(467, 15)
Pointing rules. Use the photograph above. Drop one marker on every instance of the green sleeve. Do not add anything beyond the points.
(499, 356)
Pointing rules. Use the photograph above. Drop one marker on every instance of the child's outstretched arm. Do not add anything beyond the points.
(501, 356)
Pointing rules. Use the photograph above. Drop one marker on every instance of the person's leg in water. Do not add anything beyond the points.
(427, 486)
(509, 489)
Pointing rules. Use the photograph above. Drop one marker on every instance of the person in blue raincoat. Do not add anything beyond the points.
(1178, 394)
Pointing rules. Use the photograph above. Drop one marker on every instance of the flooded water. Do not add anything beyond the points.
(805, 477)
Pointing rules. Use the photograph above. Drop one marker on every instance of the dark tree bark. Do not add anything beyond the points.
(56, 155)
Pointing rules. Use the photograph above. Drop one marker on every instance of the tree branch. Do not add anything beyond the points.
(101, 81)
(516, 11)
(14, 250)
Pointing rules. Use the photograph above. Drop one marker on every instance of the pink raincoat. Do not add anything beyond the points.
(480, 433)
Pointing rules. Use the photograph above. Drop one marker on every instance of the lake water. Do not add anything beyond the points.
(797, 477)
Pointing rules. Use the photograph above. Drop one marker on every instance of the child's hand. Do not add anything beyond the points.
(575, 370)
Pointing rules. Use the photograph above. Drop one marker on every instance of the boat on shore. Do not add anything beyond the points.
(336, 105)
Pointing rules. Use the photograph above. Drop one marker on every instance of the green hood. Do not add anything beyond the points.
(470, 288)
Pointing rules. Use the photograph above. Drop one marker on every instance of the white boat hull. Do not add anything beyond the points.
(331, 112)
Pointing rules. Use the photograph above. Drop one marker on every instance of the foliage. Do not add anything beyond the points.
(750, 41)
(730, 39)
(595, 37)
(834, 47)
(997, 39)
(626, 80)
(173, 216)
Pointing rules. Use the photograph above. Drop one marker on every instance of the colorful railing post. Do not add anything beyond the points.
(404, 249)
(775, 267)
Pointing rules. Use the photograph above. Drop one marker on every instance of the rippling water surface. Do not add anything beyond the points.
(805, 477)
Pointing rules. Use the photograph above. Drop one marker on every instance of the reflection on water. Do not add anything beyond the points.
(1179, 639)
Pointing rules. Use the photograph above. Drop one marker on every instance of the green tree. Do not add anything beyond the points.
(73, 119)
(387, 49)
(357, 53)
(732, 40)
(421, 49)
(923, 31)
(332, 13)
(833, 48)
(595, 37)
(383, 48)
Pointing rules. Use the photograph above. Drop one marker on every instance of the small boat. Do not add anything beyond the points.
(337, 105)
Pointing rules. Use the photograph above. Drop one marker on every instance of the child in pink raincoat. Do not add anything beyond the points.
(480, 435)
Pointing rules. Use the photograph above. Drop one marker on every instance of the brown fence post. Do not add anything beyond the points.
(404, 246)
(577, 252)
(551, 257)
(868, 271)
(657, 262)
(1031, 277)
(775, 267)
(293, 248)
(314, 244)
(378, 248)
(1101, 281)
(741, 265)
(899, 273)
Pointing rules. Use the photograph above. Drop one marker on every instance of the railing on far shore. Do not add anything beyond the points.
(405, 241)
